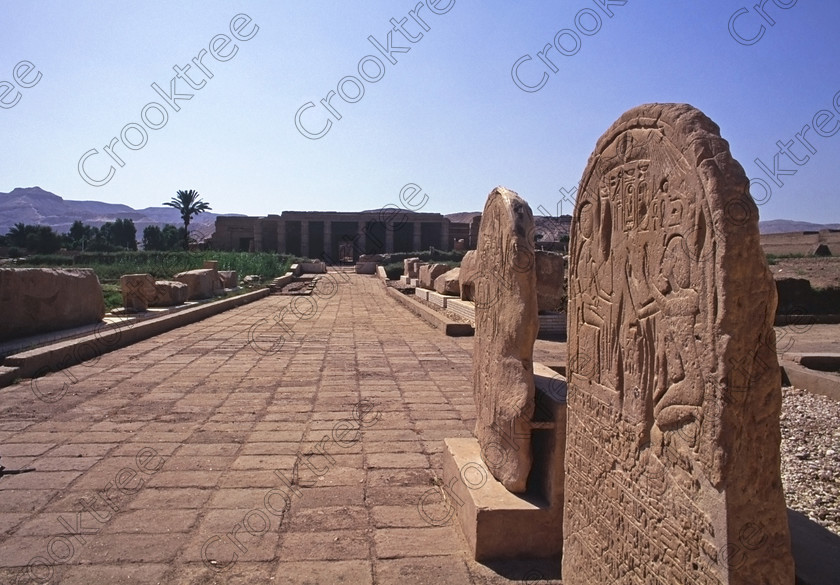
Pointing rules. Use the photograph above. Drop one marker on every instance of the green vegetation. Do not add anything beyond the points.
(438, 256)
(41, 239)
(772, 258)
(169, 238)
(109, 266)
(394, 270)
(112, 295)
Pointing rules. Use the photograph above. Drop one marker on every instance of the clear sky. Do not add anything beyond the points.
(448, 116)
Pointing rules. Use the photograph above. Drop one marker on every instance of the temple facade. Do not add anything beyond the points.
(330, 234)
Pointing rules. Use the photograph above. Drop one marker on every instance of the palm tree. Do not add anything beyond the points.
(18, 233)
(189, 204)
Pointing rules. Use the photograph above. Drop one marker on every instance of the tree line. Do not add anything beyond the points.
(113, 236)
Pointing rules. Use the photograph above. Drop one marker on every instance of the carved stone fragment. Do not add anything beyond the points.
(505, 331)
(672, 455)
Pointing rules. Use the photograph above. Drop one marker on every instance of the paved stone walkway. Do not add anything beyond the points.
(288, 441)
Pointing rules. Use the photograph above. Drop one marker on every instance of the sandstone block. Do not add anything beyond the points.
(229, 278)
(448, 283)
(37, 300)
(138, 291)
(469, 270)
(201, 282)
(169, 293)
(410, 268)
(428, 274)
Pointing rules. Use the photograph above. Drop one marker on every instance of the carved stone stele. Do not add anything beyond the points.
(672, 456)
(506, 326)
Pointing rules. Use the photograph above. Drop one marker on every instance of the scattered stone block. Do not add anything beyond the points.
(201, 282)
(428, 274)
(421, 293)
(313, 267)
(551, 281)
(138, 291)
(211, 265)
(365, 267)
(169, 293)
(37, 300)
(375, 258)
(469, 271)
(410, 268)
(229, 278)
(505, 330)
(448, 283)
(672, 455)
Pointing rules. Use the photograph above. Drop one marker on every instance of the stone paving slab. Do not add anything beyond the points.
(289, 440)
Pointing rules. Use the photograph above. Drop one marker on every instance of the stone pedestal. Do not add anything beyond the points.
(496, 523)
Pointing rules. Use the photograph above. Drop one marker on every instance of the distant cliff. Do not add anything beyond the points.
(33, 205)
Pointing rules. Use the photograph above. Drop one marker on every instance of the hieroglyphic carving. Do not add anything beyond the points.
(665, 464)
(505, 330)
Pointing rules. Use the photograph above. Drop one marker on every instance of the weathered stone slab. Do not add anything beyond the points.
(505, 331)
(429, 272)
(469, 270)
(138, 291)
(37, 300)
(169, 293)
(201, 282)
(448, 283)
(410, 268)
(672, 460)
(551, 280)
(230, 279)
(365, 267)
(313, 267)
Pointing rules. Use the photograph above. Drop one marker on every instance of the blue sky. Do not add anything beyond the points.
(447, 116)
